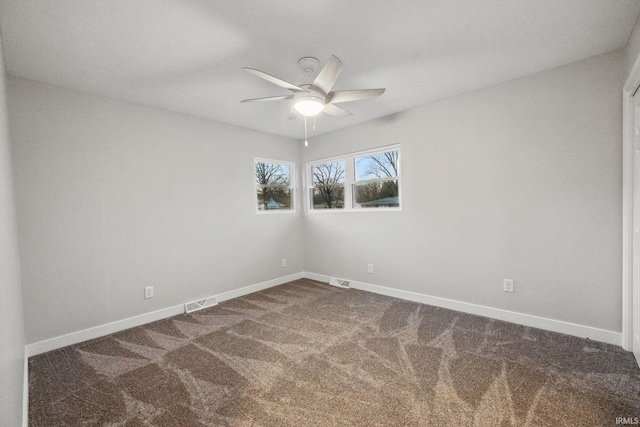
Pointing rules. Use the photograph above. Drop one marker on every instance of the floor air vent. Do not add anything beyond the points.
(190, 307)
(334, 281)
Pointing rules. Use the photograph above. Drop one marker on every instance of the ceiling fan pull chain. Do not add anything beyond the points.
(306, 142)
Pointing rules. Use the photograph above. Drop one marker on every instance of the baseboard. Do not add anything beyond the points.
(258, 287)
(101, 330)
(131, 322)
(25, 391)
(582, 331)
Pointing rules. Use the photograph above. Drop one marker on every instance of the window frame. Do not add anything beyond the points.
(350, 180)
(291, 187)
(311, 186)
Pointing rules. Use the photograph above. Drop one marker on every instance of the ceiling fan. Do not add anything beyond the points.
(312, 99)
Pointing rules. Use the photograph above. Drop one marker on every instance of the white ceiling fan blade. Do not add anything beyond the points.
(269, 98)
(353, 95)
(334, 110)
(274, 80)
(328, 75)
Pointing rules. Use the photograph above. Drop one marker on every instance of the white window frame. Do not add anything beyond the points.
(310, 186)
(292, 185)
(397, 178)
(350, 181)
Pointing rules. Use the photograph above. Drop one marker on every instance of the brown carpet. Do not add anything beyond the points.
(308, 354)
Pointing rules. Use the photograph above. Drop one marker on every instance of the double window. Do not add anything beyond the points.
(363, 180)
(274, 185)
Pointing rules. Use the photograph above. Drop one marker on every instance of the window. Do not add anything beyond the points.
(274, 185)
(367, 180)
(327, 191)
(377, 182)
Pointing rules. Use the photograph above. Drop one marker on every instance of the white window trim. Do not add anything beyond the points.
(292, 185)
(309, 183)
(349, 180)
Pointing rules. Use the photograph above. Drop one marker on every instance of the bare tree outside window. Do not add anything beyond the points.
(383, 165)
(358, 181)
(377, 183)
(273, 186)
(328, 185)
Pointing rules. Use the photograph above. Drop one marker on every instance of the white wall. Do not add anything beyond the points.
(520, 181)
(12, 339)
(113, 197)
(632, 50)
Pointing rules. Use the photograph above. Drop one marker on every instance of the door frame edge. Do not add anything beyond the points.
(631, 84)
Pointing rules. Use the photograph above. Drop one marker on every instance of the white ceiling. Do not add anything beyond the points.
(186, 55)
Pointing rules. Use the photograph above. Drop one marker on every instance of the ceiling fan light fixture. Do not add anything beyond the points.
(309, 106)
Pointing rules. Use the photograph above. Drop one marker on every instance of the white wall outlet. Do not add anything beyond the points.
(284, 262)
(148, 292)
(508, 285)
(370, 268)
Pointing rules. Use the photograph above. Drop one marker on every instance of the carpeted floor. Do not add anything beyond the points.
(308, 354)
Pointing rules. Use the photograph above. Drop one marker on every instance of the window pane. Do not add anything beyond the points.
(379, 194)
(274, 198)
(328, 197)
(272, 174)
(328, 173)
(376, 166)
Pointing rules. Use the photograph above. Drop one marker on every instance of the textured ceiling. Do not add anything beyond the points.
(186, 55)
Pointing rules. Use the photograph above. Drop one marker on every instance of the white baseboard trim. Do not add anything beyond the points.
(582, 331)
(25, 391)
(120, 325)
(574, 329)
(258, 287)
(99, 331)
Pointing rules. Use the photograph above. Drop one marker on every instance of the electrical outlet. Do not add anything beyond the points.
(284, 262)
(370, 268)
(508, 285)
(148, 292)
